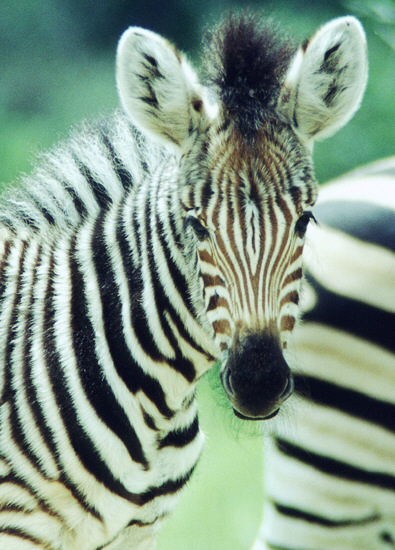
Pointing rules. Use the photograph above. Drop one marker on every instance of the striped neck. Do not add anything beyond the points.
(161, 279)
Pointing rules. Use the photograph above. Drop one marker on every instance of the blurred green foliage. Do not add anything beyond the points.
(57, 65)
(57, 68)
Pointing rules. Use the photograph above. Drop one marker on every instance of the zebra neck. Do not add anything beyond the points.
(140, 302)
(167, 256)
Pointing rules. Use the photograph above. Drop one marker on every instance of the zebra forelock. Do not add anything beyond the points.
(245, 61)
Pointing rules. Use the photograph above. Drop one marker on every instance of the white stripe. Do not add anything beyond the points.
(348, 267)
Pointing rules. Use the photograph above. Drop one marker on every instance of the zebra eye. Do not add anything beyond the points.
(200, 231)
(303, 222)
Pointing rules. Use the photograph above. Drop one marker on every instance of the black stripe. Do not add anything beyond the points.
(346, 400)
(127, 367)
(29, 383)
(43, 210)
(143, 523)
(169, 487)
(93, 380)
(362, 320)
(335, 467)
(27, 488)
(177, 236)
(180, 282)
(138, 316)
(160, 298)
(303, 515)
(123, 174)
(181, 437)
(100, 192)
(3, 267)
(8, 391)
(3, 286)
(362, 220)
(77, 201)
(19, 436)
(135, 232)
(207, 191)
(82, 444)
(150, 422)
(19, 533)
(39, 413)
(61, 395)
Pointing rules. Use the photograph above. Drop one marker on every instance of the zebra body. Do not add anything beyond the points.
(75, 386)
(330, 481)
(137, 255)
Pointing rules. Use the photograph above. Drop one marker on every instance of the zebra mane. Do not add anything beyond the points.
(244, 62)
(80, 176)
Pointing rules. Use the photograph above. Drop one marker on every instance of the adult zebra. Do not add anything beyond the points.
(330, 482)
(136, 256)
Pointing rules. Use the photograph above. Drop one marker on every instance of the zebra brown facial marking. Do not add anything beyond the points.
(254, 205)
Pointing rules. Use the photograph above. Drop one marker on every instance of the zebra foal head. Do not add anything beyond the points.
(243, 141)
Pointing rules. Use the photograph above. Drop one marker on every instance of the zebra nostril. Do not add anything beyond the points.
(288, 388)
(226, 382)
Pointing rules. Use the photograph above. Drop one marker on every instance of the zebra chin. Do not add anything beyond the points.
(256, 378)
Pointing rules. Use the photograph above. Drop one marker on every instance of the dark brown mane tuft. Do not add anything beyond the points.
(245, 60)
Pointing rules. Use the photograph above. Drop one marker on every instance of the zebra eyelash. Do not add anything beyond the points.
(303, 222)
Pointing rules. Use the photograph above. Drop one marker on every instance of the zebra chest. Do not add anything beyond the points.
(131, 519)
(72, 503)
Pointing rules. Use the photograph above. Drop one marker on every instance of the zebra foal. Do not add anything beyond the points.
(144, 249)
(330, 482)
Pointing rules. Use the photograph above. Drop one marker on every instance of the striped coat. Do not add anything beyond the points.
(146, 248)
(331, 480)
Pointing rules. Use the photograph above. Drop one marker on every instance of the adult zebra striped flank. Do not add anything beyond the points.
(138, 254)
(330, 482)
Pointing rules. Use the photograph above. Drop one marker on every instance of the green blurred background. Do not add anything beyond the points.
(57, 68)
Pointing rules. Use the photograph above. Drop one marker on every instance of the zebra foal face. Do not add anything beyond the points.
(244, 178)
(248, 226)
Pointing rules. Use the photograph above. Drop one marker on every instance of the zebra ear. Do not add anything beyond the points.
(326, 79)
(158, 88)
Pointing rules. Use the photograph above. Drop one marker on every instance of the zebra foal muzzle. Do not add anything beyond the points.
(256, 377)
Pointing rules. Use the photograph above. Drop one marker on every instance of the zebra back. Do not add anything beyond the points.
(330, 474)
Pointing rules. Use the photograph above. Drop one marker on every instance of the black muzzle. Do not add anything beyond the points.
(256, 377)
